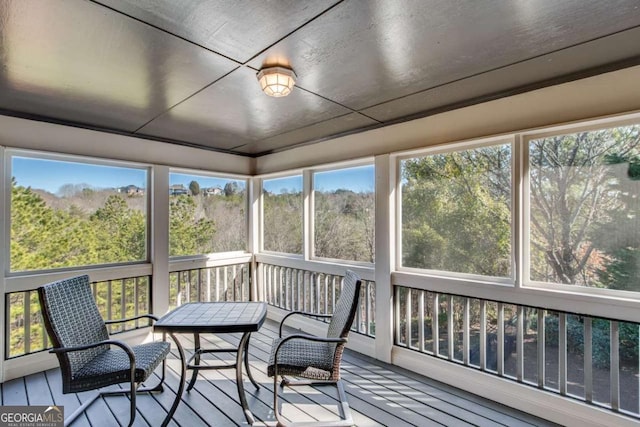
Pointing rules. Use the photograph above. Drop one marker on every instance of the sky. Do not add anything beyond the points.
(50, 175)
(358, 179)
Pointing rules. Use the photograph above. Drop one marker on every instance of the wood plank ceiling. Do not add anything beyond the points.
(184, 72)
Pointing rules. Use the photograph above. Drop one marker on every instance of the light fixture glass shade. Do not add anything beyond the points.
(277, 81)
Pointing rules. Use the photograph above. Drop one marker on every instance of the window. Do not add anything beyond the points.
(456, 211)
(206, 214)
(282, 214)
(584, 208)
(344, 214)
(67, 213)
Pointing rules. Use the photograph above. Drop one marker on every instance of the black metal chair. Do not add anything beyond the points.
(317, 359)
(81, 343)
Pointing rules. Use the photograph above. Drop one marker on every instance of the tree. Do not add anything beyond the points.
(194, 187)
(456, 211)
(619, 239)
(120, 231)
(344, 225)
(188, 235)
(573, 194)
(283, 222)
(231, 188)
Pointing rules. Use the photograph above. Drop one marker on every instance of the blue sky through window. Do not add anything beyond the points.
(359, 179)
(50, 175)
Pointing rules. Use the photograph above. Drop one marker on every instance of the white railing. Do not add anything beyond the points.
(116, 299)
(591, 359)
(315, 289)
(210, 283)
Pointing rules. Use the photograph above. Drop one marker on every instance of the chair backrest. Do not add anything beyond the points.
(71, 318)
(345, 310)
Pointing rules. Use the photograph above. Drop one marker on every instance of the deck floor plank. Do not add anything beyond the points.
(70, 401)
(379, 395)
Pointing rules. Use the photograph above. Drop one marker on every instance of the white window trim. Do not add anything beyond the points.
(10, 153)
(450, 148)
(520, 285)
(234, 177)
(311, 211)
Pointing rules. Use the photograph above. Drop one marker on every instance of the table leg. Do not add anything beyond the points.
(196, 339)
(246, 363)
(183, 374)
(243, 399)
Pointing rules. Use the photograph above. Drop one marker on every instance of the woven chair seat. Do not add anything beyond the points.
(112, 366)
(302, 358)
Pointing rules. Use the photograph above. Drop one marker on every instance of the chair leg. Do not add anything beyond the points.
(157, 388)
(346, 420)
(81, 409)
(276, 411)
(133, 397)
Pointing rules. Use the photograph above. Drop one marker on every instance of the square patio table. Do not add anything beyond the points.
(215, 318)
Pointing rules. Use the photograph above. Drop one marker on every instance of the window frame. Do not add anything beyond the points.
(312, 214)
(510, 139)
(260, 181)
(10, 153)
(526, 138)
(247, 203)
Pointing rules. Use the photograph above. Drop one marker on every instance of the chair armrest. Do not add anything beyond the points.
(129, 319)
(308, 338)
(302, 313)
(118, 343)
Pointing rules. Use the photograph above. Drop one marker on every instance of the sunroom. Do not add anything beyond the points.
(477, 165)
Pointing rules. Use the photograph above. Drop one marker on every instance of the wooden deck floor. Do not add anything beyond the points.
(378, 394)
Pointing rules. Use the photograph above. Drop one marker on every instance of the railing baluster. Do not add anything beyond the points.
(435, 327)
(208, 273)
(289, 288)
(301, 292)
(407, 314)
(562, 352)
(450, 341)
(483, 335)
(500, 346)
(123, 301)
(396, 311)
(465, 332)
(326, 295)
(136, 300)
(26, 321)
(541, 347)
(614, 354)
(234, 281)
(421, 321)
(359, 312)
(588, 360)
(368, 313)
(520, 343)
(317, 291)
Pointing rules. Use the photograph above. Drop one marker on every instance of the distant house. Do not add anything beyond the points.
(212, 191)
(177, 190)
(131, 190)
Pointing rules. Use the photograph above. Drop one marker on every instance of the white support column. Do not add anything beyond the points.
(385, 255)
(160, 238)
(307, 216)
(253, 236)
(5, 203)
